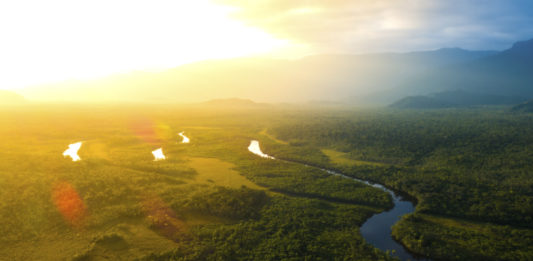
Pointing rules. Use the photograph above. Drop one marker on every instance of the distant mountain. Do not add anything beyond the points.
(8, 97)
(456, 98)
(319, 77)
(420, 102)
(508, 73)
(458, 77)
(233, 102)
(464, 98)
(523, 107)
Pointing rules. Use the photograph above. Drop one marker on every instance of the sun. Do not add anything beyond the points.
(58, 40)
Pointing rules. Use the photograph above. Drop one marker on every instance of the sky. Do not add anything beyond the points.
(57, 40)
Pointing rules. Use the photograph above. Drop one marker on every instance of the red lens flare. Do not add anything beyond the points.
(69, 203)
(144, 129)
(163, 219)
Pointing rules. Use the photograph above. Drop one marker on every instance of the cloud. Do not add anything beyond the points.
(382, 25)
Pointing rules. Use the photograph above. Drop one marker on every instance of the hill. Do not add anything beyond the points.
(232, 103)
(420, 102)
(455, 98)
(524, 107)
(509, 73)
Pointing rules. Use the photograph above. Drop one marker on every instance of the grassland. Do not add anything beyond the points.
(219, 173)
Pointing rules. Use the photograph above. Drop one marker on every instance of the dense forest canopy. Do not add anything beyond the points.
(211, 199)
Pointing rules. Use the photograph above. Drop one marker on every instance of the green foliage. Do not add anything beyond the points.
(135, 207)
(289, 229)
(227, 203)
(448, 239)
(467, 164)
(473, 164)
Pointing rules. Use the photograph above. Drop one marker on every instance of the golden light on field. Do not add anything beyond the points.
(58, 40)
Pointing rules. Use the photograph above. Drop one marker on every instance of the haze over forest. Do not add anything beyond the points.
(267, 130)
(360, 79)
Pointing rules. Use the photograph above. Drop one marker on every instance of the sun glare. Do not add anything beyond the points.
(185, 139)
(49, 41)
(255, 149)
(158, 154)
(72, 151)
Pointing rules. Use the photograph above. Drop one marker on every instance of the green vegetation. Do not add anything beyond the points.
(211, 199)
(523, 107)
(454, 239)
(289, 229)
(467, 164)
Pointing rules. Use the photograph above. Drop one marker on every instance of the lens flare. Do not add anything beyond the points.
(163, 219)
(144, 130)
(69, 204)
(72, 151)
(151, 132)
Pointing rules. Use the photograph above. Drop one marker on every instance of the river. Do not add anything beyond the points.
(377, 229)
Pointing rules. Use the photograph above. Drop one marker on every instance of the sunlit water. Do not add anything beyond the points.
(158, 154)
(185, 138)
(377, 229)
(72, 151)
(255, 149)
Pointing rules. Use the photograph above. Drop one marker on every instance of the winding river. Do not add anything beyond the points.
(377, 229)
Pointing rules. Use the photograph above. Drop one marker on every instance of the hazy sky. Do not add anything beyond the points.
(56, 40)
(391, 25)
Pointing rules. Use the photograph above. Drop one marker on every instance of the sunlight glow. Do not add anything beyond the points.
(72, 151)
(185, 138)
(158, 154)
(255, 149)
(58, 40)
(304, 11)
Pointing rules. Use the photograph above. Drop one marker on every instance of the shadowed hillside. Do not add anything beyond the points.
(509, 73)
(456, 98)
(523, 107)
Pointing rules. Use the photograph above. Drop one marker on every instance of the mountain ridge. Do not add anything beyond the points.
(318, 77)
(508, 73)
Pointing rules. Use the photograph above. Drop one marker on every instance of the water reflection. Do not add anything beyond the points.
(185, 139)
(158, 154)
(72, 151)
(255, 149)
(377, 229)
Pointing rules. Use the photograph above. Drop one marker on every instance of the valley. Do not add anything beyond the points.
(213, 199)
